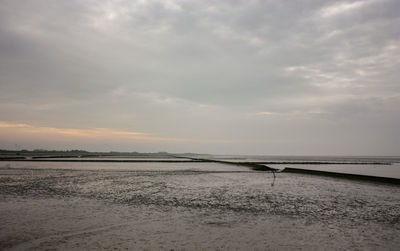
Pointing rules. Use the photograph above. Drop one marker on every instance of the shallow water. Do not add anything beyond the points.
(188, 206)
(390, 171)
(122, 166)
(338, 159)
(389, 167)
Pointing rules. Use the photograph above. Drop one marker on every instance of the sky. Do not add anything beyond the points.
(306, 77)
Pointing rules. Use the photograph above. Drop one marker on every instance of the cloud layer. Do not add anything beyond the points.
(254, 77)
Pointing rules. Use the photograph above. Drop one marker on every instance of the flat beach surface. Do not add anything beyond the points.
(191, 206)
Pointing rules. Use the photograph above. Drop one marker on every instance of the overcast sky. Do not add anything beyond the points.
(306, 77)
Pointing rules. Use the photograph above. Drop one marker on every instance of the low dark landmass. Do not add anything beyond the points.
(74, 153)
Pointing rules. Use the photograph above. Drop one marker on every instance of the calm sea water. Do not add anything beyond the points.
(387, 167)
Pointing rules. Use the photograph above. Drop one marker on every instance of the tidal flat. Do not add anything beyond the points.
(190, 206)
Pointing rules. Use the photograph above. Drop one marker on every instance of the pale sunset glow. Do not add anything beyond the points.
(11, 130)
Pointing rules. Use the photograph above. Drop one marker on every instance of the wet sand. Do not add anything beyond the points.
(193, 209)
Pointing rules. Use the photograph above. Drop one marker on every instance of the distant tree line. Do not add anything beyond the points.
(74, 152)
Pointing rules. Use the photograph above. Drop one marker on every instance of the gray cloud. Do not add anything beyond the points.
(262, 77)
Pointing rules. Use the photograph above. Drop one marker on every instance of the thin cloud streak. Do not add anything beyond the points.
(340, 8)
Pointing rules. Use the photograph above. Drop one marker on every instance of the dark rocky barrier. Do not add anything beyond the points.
(344, 175)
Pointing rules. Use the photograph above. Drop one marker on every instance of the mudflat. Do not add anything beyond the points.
(197, 207)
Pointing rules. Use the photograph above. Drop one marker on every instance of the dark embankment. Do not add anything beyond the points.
(344, 175)
(6, 158)
(97, 160)
(321, 163)
(253, 166)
